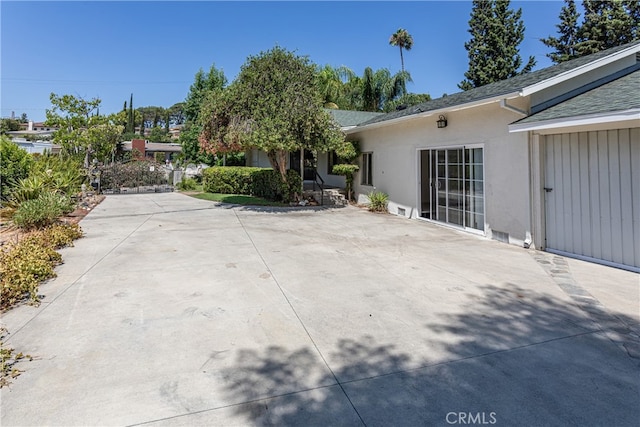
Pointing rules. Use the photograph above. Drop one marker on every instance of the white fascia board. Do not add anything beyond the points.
(585, 120)
(458, 107)
(579, 70)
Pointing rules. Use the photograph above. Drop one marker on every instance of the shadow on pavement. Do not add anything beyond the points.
(515, 357)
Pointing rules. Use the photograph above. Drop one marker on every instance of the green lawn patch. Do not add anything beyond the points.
(237, 199)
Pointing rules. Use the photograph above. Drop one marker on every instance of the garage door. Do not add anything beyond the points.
(592, 195)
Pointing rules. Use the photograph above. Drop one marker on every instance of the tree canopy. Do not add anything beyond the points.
(606, 24)
(82, 132)
(496, 32)
(274, 105)
(204, 83)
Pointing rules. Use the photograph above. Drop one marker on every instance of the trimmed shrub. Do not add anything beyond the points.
(228, 179)
(260, 182)
(23, 265)
(346, 170)
(42, 211)
(378, 201)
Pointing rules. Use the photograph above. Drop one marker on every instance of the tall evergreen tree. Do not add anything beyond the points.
(131, 126)
(608, 24)
(566, 45)
(496, 32)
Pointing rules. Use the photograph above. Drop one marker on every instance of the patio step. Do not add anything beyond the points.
(332, 196)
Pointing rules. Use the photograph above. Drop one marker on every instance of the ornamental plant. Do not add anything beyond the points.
(378, 201)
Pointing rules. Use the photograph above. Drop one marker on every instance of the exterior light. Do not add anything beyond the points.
(442, 122)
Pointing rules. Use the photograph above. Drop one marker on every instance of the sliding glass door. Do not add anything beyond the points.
(453, 186)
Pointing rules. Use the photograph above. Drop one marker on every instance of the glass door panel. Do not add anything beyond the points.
(453, 186)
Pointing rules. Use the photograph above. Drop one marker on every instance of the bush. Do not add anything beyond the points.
(228, 179)
(268, 183)
(378, 201)
(23, 265)
(187, 184)
(42, 211)
(260, 182)
(14, 166)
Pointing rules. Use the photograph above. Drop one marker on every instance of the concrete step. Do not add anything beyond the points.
(332, 196)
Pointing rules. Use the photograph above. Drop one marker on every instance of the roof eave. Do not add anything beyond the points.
(543, 126)
(579, 70)
(438, 111)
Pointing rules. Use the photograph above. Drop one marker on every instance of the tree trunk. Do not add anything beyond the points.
(278, 161)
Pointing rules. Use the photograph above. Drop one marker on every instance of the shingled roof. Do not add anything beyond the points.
(619, 95)
(497, 89)
(347, 118)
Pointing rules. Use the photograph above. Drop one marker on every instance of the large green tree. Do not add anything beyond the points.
(566, 45)
(496, 32)
(273, 106)
(403, 40)
(82, 132)
(199, 92)
(606, 24)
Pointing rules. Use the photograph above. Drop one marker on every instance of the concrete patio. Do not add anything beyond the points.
(176, 311)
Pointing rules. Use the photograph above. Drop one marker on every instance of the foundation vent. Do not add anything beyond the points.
(402, 211)
(500, 236)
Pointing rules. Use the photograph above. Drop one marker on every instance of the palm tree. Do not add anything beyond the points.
(330, 82)
(402, 39)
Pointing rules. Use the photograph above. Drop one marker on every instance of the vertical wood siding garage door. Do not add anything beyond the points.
(593, 195)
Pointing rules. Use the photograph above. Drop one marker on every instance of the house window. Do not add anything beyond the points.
(367, 169)
(332, 160)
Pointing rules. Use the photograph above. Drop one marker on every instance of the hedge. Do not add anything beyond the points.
(260, 182)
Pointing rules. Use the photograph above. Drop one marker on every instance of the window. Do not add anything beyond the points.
(366, 170)
(332, 160)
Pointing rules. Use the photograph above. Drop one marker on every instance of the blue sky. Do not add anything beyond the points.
(153, 49)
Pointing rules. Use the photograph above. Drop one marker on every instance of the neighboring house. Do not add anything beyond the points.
(549, 159)
(323, 161)
(34, 131)
(148, 149)
(37, 147)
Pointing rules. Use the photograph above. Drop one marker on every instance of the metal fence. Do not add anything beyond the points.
(132, 177)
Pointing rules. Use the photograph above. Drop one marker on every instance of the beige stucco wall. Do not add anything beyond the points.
(330, 180)
(396, 148)
(257, 158)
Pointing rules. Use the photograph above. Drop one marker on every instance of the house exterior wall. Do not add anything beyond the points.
(395, 163)
(323, 171)
(257, 158)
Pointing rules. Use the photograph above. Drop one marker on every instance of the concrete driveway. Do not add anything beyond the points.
(176, 311)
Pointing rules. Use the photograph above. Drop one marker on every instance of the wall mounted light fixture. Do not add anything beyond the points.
(442, 122)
